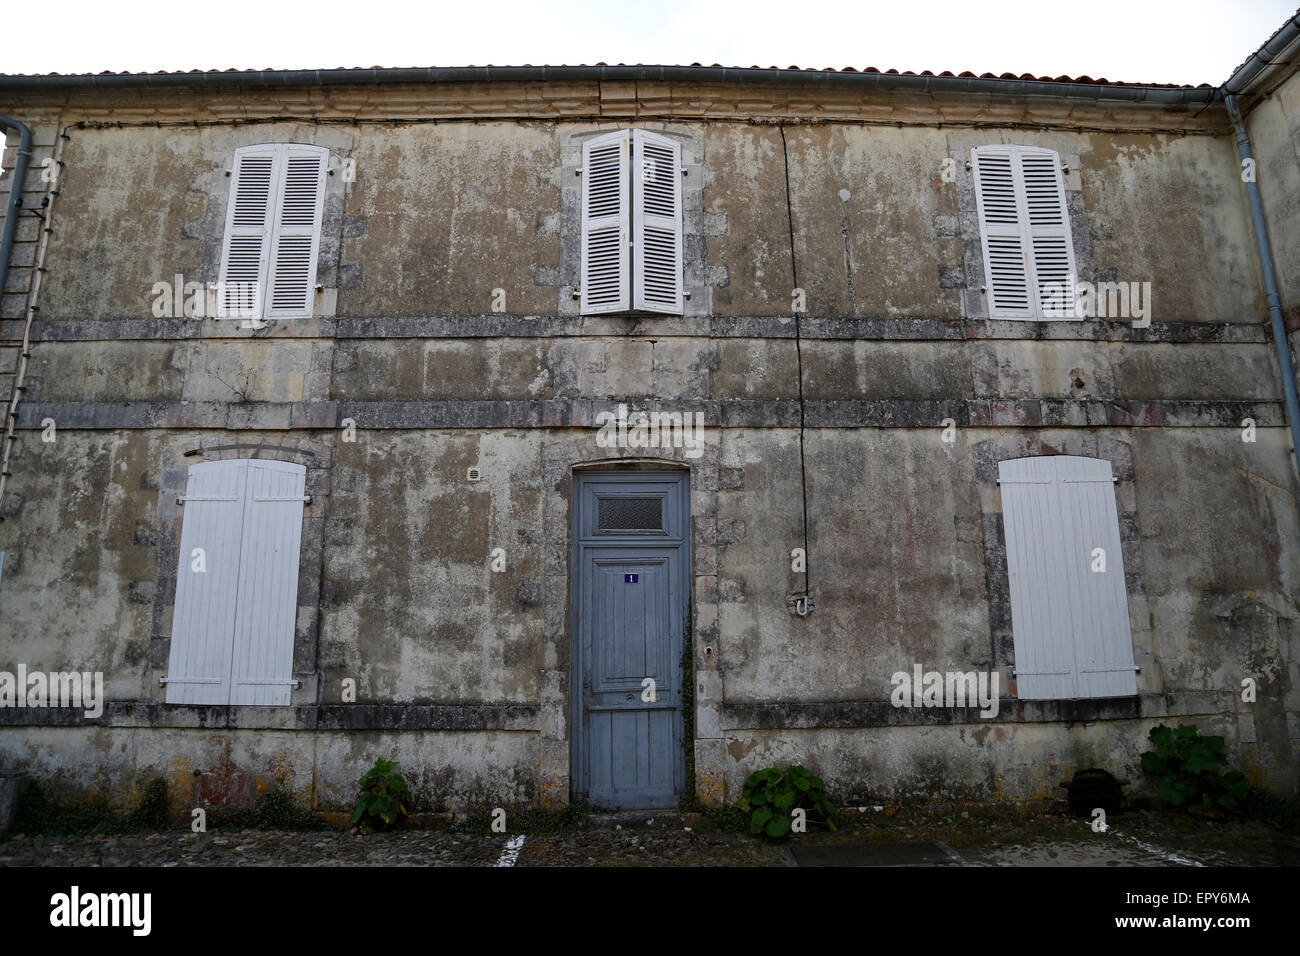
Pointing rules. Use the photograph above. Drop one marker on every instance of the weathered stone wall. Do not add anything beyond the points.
(462, 672)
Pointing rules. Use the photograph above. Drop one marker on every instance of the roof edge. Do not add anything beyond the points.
(1270, 54)
(922, 83)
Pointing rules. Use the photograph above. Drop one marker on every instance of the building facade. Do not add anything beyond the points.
(611, 433)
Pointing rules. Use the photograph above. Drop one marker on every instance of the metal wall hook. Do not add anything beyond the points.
(801, 606)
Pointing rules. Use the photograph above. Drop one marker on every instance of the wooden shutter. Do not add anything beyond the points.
(656, 223)
(297, 231)
(233, 624)
(203, 620)
(605, 222)
(246, 248)
(1070, 623)
(273, 222)
(1025, 231)
(268, 583)
(1049, 232)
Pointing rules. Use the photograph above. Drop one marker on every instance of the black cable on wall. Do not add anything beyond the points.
(798, 351)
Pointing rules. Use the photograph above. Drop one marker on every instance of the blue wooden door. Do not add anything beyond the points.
(631, 578)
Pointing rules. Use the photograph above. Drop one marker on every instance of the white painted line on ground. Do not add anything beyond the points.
(1163, 854)
(511, 852)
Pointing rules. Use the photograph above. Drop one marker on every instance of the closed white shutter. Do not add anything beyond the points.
(657, 223)
(203, 620)
(297, 232)
(233, 624)
(1025, 231)
(605, 222)
(268, 583)
(1070, 623)
(246, 249)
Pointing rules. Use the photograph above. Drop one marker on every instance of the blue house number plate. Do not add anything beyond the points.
(631, 578)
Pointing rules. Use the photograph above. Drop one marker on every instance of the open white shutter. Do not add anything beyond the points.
(656, 223)
(268, 583)
(198, 669)
(1070, 623)
(296, 240)
(1025, 231)
(1049, 232)
(605, 222)
(246, 248)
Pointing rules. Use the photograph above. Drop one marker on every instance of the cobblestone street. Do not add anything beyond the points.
(1136, 839)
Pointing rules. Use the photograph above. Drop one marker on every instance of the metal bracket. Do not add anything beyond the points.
(188, 680)
(164, 680)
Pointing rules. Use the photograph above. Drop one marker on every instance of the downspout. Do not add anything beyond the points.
(1265, 251)
(6, 248)
(15, 192)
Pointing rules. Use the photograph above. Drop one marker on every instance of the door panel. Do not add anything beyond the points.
(629, 616)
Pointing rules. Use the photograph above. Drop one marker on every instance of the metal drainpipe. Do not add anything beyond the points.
(6, 248)
(15, 192)
(1270, 280)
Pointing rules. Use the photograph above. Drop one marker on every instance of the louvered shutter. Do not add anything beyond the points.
(1049, 232)
(656, 223)
(198, 669)
(246, 249)
(268, 583)
(605, 222)
(1070, 624)
(296, 239)
(1025, 230)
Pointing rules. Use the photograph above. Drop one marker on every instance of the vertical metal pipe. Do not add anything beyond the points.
(15, 193)
(1270, 279)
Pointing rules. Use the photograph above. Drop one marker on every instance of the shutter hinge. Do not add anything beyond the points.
(188, 680)
(291, 681)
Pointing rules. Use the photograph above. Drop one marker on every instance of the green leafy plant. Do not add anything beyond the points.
(1186, 766)
(384, 798)
(772, 795)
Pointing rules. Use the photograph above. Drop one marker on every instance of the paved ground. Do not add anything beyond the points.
(1135, 839)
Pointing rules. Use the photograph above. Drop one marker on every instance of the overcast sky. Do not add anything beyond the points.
(1158, 41)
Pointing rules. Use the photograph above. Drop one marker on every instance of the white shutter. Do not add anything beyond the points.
(246, 248)
(297, 231)
(1049, 232)
(268, 583)
(198, 670)
(656, 223)
(1025, 231)
(1070, 623)
(605, 215)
